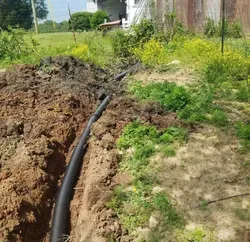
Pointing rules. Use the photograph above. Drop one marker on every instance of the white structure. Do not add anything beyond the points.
(130, 11)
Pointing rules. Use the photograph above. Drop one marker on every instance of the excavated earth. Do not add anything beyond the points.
(43, 111)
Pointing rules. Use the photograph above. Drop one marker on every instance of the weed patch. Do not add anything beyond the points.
(134, 205)
(219, 118)
(169, 95)
(243, 214)
(231, 66)
(196, 235)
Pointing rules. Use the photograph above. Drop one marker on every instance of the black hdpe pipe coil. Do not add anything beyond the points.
(61, 210)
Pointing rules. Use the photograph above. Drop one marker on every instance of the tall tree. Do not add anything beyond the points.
(19, 13)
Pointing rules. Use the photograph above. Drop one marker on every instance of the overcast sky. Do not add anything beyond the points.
(60, 8)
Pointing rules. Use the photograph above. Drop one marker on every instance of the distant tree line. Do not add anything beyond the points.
(50, 26)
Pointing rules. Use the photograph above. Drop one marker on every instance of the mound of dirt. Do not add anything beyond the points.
(42, 111)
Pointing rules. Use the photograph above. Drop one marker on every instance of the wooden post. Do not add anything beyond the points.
(73, 29)
(34, 15)
(223, 31)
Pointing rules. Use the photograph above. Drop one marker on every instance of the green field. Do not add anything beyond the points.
(57, 39)
(99, 48)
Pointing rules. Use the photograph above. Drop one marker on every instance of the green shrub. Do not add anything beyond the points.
(121, 42)
(232, 66)
(169, 151)
(198, 50)
(235, 29)
(13, 44)
(136, 134)
(169, 95)
(200, 105)
(98, 18)
(243, 131)
(232, 29)
(80, 21)
(152, 53)
(242, 94)
(219, 118)
(125, 42)
(211, 28)
(173, 26)
(143, 31)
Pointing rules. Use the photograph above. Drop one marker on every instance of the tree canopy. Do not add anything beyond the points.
(80, 21)
(98, 18)
(19, 13)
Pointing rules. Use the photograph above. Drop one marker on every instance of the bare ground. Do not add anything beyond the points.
(209, 167)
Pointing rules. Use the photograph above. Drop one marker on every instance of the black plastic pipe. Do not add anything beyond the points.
(123, 74)
(61, 210)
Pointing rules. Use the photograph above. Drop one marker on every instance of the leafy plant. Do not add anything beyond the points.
(81, 51)
(196, 235)
(210, 28)
(151, 53)
(231, 66)
(235, 29)
(135, 204)
(98, 18)
(13, 44)
(80, 21)
(243, 130)
(121, 42)
(169, 95)
(170, 217)
(219, 118)
(143, 31)
(242, 93)
(173, 26)
(232, 29)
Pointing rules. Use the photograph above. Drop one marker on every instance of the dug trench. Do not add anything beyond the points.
(43, 112)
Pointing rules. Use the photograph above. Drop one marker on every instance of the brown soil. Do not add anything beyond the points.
(183, 77)
(91, 220)
(209, 168)
(43, 111)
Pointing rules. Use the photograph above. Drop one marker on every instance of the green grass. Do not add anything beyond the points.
(219, 118)
(246, 163)
(59, 39)
(134, 205)
(169, 95)
(196, 235)
(100, 50)
(243, 214)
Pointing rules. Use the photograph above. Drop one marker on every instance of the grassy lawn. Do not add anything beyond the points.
(57, 39)
(92, 47)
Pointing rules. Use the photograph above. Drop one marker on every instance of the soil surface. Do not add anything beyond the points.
(43, 112)
(208, 168)
(99, 174)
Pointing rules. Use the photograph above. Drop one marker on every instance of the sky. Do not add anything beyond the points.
(60, 8)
